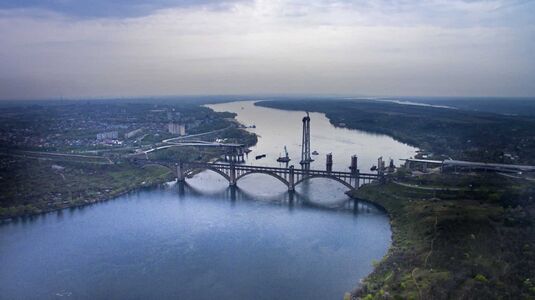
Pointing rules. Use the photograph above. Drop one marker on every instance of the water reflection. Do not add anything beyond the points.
(316, 191)
(294, 199)
(187, 191)
(195, 236)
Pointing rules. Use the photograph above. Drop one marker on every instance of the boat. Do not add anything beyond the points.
(315, 152)
(284, 158)
(373, 168)
(260, 156)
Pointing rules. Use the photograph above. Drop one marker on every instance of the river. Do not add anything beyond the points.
(279, 128)
(203, 240)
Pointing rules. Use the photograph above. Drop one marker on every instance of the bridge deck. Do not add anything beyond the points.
(290, 176)
(281, 170)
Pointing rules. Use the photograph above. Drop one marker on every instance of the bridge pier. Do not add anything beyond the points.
(233, 193)
(329, 163)
(241, 155)
(180, 176)
(181, 190)
(235, 157)
(357, 179)
(291, 179)
(355, 171)
(232, 175)
(381, 169)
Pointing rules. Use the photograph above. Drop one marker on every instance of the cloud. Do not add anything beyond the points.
(108, 9)
(343, 47)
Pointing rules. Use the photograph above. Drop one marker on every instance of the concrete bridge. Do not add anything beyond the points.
(290, 176)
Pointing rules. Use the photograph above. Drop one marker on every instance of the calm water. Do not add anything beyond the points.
(203, 240)
(278, 128)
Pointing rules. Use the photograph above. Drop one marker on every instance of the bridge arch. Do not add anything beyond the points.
(187, 169)
(280, 178)
(345, 183)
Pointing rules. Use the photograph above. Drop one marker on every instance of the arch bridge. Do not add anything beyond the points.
(290, 176)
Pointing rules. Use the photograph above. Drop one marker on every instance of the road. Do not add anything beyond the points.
(174, 142)
(197, 135)
(56, 156)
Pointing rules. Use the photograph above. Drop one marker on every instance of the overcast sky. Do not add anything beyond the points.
(124, 48)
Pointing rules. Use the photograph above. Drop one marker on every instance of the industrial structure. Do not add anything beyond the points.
(305, 145)
(450, 165)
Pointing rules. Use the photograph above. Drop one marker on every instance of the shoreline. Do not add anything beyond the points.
(390, 251)
(86, 202)
(360, 288)
(453, 244)
(111, 196)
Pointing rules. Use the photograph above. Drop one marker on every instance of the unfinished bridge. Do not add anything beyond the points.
(289, 176)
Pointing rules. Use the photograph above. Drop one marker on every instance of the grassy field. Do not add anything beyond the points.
(475, 242)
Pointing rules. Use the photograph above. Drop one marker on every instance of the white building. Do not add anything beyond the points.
(176, 128)
(110, 135)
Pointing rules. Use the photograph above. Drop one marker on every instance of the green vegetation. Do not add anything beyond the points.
(472, 242)
(460, 134)
(153, 138)
(185, 154)
(240, 136)
(31, 186)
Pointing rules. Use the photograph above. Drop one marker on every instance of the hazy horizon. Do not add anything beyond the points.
(264, 97)
(74, 49)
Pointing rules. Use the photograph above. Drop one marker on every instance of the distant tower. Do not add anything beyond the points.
(305, 145)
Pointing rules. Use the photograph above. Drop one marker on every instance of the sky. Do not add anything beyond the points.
(135, 48)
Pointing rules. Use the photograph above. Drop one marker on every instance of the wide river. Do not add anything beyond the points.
(203, 240)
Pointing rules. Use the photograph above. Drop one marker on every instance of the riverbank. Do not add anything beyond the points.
(67, 184)
(471, 243)
(75, 183)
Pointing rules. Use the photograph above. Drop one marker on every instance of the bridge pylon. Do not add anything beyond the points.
(355, 171)
(329, 163)
(306, 159)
